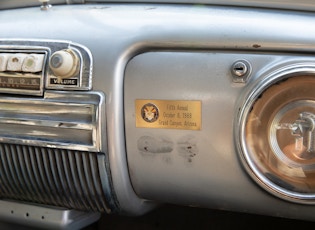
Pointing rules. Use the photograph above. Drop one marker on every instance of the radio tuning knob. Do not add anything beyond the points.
(64, 63)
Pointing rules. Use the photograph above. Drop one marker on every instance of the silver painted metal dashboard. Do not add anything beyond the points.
(177, 53)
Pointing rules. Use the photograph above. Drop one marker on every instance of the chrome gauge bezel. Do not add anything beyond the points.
(244, 108)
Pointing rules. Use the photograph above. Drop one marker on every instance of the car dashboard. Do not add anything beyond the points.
(117, 107)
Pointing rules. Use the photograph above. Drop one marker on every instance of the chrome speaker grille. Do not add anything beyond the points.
(65, 178)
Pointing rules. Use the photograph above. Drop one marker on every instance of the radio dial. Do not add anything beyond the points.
(64, 63)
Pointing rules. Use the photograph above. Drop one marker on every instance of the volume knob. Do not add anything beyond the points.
(64, 63)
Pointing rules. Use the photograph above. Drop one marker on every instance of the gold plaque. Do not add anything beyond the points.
(168, 114)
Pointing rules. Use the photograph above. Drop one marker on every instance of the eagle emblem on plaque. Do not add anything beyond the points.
(149, 112)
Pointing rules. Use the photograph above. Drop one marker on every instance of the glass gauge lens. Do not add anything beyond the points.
(279, 137)
(292, 134)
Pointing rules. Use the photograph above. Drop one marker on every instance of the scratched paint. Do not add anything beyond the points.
(149, 144)
(187, 147)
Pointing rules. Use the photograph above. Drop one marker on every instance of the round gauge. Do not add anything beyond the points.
(276, 135)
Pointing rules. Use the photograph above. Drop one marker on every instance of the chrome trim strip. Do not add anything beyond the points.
(60, 120)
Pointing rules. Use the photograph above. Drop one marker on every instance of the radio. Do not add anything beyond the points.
(33, 66)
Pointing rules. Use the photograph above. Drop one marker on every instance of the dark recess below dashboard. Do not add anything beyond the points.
(177, 217)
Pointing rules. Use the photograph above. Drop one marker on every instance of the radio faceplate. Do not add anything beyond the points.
(30, 67)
